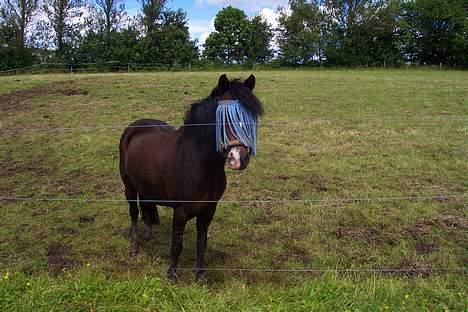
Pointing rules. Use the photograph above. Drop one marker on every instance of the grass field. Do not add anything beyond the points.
(397, 138)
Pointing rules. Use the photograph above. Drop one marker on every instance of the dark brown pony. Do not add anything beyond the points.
(181, 168)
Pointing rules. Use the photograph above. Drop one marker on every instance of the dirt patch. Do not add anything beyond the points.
(65, 230)
(19, 100)
(60, 258)
(410, 267)
(216, 257)
(295, 253)
(295, 195)
(423, 248)
(420, 228)
(443, 198)
(87, 219)
(266, 213)
(16, 166)
(374, 234)
(454, 222)
(318, 183)
(446, 222)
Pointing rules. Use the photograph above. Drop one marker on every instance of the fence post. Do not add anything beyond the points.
(128, 67)
(17, 71)
(71, 69)
(440, 66)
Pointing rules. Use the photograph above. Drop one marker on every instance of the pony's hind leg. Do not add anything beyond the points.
(131, 195)
(178, 226)
(149, 213)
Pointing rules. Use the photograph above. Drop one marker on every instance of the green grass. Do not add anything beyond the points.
(326, 135)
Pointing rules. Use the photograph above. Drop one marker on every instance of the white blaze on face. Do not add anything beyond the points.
(234, 157)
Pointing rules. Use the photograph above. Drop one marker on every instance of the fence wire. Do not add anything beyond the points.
(265, 123)
(130, 265)
(437, 197)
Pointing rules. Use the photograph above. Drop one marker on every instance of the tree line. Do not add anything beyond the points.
(309, 33)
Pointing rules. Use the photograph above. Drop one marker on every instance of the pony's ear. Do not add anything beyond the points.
(223, 82)
(250, 82)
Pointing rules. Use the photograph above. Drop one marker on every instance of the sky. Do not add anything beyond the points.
(201, 13)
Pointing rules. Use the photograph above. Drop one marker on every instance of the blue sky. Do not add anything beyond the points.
(201, 13)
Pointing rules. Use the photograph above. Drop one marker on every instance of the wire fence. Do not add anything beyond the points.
(438, 197)
(266, 123)
(133, 265)
(118, 67)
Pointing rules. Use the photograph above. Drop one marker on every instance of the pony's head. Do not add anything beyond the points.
(234, 110)
(237, 113)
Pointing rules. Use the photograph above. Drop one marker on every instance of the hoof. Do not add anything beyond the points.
(134, 250)
(148, 235)
(172, 275)
(200, 278)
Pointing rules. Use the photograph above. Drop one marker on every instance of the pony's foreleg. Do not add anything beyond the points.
(178, 226)
(131, 196)
(203, 222)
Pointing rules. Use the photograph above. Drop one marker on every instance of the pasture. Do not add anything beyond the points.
(381, 155)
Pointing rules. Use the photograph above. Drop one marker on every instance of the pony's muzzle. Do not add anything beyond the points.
(238, 157)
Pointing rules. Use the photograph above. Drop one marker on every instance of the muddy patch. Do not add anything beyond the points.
(423, 248)
(216, 257)
(419, 228)
(318, 183)
(67, 231)
(446, 222)
(373, 235)
(410, 267)
(19, 100)
(87, 219)
(295, 253)
(60, 258)
(265, 213)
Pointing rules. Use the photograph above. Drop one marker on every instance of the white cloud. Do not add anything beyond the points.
(201, 29)
(271, 16)
(247, 5)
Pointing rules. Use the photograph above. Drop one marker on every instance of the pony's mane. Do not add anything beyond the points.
(203, 112)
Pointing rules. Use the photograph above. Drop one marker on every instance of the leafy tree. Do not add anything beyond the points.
(169, 43)
(61, 15)
(112, 12)
(227, 43)
(151, 10)
(15, 18)
(18, 14)
(299, 32)
(361, 32)
(258, 45)
(437, 31)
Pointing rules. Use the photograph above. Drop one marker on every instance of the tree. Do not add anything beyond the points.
(169, 43)
(361, 32)
(437, 31)
(15, 18)
(18, 14)
(299, 33)
(227, 43)
(151, 10)
(112, 12)
(61, 15)
(259, 36)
